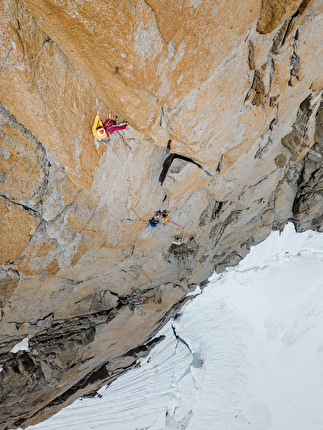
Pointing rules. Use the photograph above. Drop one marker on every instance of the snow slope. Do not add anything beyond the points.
(247, 353)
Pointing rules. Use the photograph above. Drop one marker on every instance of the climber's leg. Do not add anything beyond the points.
(109, 122)
(114, 128)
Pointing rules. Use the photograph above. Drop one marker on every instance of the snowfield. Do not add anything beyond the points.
(245, 354)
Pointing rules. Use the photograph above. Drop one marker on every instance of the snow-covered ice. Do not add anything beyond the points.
(246, 353)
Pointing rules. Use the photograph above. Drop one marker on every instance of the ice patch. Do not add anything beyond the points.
(195, 292)
(21, 346)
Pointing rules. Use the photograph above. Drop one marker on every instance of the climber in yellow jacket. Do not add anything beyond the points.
(98, 128)
(102, 131)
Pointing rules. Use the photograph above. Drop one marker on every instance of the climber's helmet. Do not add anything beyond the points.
(101, 133)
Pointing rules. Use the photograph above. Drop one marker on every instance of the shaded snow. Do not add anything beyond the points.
(247, 353)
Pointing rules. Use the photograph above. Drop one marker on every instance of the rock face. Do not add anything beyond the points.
(224, 102)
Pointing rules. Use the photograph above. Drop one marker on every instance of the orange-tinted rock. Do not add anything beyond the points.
(8, 282)
(23, 166)
(47, 94)
(40, 257)
(18, 225)
(225, 131)
(274, 13)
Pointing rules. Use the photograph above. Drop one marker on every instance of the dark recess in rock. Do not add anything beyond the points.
(143, 350)
(308, 203)
(296, 140)
(168, 162)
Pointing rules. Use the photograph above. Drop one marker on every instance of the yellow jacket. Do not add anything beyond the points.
(97, 124)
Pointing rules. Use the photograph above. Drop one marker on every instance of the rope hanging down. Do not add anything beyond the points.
(163, 215)
(129, 179)
(130, 191)
(117, 158)
(101, 133)
(177, 225)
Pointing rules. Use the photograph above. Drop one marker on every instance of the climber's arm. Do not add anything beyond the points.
(95, 126)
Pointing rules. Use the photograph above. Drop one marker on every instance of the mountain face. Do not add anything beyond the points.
(225, 111)
(246, 353)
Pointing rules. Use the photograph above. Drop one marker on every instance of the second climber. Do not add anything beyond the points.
(159, 215)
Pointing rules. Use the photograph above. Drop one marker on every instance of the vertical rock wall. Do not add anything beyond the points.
(224, 102)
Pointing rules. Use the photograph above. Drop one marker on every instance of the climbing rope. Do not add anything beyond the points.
(117, 157)
(129, 179)
(164, 216)
(131, 195)
(177, 225)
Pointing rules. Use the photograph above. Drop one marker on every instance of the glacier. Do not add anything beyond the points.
(245, 353)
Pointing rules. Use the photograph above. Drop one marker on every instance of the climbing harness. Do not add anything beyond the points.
(163, 215)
